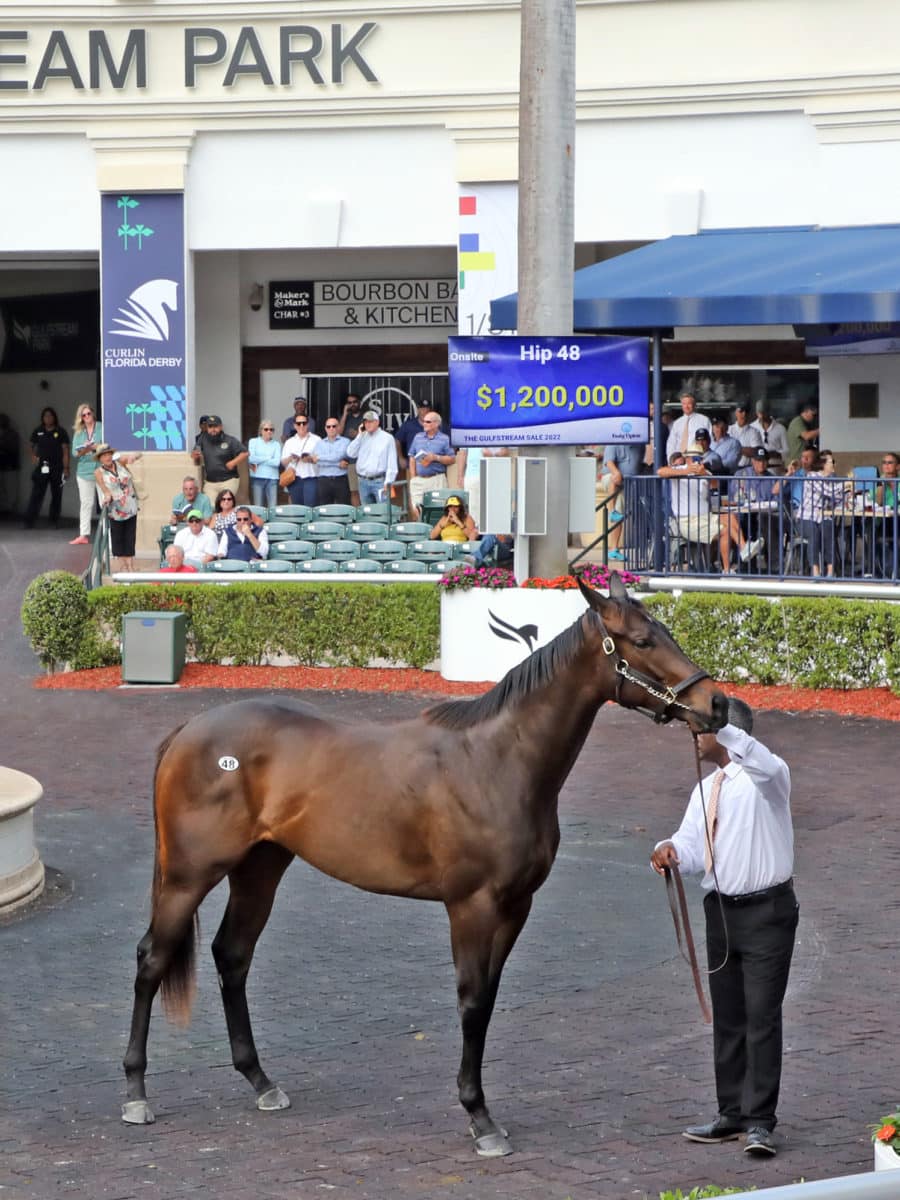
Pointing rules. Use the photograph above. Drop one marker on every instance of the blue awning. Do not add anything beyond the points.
(739, 277)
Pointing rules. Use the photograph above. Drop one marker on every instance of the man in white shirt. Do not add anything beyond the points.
(773, 433)
(375, 453)
(693, 520)
(737, 833)
(684, 430)
(199, 543)
(745, 432)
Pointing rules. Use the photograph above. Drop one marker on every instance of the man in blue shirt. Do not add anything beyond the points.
(430, 454)
(728, 448)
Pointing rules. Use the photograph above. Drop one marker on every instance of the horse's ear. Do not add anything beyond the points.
(617, 592)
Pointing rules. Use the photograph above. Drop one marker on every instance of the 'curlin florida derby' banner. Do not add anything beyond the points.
(522, 391)
(143, 321)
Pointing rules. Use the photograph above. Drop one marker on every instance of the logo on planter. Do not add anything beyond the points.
(526, 634)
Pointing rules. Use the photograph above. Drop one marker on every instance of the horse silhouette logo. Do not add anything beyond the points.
(527, 634)
(144, 314)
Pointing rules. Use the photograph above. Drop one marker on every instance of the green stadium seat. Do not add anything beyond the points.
(323, 531)
(384, 550)
(434, 502)
(361, 564)
(426, 551)
(293, 551)
(300, 513)
(344, 513)
(439, 566)
(228, 565)
(406, 566)
(317, 566)
(340, 549)
(257, 510)
(281, 531)
(366, 531)
(389, 513)
(411, 531)
(273, 566)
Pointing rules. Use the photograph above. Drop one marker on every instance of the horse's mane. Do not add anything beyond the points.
(535, 671)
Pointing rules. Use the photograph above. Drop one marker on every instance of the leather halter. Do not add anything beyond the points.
(653, 687)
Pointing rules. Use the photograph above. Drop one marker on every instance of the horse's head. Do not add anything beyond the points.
(652, 672)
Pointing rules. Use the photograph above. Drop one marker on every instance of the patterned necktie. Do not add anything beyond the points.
(712, 818)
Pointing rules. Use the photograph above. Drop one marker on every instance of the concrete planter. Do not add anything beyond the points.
(485, 632)
(886, 1157)
(21, 870)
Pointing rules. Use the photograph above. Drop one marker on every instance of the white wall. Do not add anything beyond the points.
(835, 376)
(48, 198)
(346, 187)
(215, 383)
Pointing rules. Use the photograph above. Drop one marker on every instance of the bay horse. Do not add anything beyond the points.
(458, 805)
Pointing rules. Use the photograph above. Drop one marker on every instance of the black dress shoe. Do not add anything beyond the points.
(759, 1142)
(722, 1129)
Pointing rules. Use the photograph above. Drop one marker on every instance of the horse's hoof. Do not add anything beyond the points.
(491, 1145)
(137, 1112)
(272, 1100)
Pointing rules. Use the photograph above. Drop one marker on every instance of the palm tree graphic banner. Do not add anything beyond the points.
(142, 271)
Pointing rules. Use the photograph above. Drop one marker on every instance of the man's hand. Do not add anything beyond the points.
(663, 856)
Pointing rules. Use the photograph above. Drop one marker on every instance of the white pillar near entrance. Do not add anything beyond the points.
(21, 870)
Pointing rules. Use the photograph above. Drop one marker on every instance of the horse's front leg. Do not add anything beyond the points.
(482, 936)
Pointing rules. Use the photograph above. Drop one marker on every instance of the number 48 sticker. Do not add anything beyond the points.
(228, 762)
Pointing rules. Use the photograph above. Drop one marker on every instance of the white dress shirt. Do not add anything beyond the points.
(294, 447)
(196, 545)
(754, 842)
(693, 421)
(261, 536)
(375, 455)
(774, 438)
(748, 435)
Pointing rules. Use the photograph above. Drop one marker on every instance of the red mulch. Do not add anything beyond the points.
(865, 702)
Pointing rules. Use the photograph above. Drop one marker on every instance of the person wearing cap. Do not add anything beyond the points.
(711, 460)
(190, 497)
(693, 520)
(725, 446)
(375, 453)
(220, 455)
(774, 434)
(753, 492)
(745, 432)
(301, 409)
(455, 524)
(683, 431)
(430, 454)
(300, 451)
(118, 495)
(737, 833)
(197, 540)
(803, 431)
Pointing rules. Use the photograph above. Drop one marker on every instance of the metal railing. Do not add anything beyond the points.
(765, 527)
(99, 561)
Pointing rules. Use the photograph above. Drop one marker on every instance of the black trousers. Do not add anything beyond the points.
(747, 994)
(334, 489)
(39, 485)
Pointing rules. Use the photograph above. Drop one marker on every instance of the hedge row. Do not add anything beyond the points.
(808, 641)
(310, 623)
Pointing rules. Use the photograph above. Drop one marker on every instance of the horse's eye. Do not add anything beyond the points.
(643, 643)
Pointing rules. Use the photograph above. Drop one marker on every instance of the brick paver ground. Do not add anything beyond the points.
(597, 1056)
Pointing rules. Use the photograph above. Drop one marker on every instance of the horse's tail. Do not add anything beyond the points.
(178, 984)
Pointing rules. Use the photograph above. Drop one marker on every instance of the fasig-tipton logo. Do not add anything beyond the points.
(526, 634)
(471, 356)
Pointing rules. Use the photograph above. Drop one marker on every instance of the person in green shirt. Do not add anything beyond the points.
(803, 431)
(190, 497)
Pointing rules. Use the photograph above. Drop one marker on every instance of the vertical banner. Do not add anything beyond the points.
(487, 254)
(143, 321)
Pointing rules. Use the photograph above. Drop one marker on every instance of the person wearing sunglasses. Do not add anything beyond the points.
(197, 540)
(265, 466)
(246, 539)
(300, 452)
(87, 433)
(334, 486)
(224, 512)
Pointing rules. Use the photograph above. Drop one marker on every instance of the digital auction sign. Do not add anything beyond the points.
(521, 391)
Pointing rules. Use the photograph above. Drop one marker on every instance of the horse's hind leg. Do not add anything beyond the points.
(170, 930)
(482, 937)
(253, 885)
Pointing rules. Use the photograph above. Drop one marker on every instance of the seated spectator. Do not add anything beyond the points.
(197, 540)
(710, 459)
(246, 539)
(175, 561)
(744, 432)
(797, 470)
(454, 524)
(224, 512)
(190, 497)
(886, 490)
(725, 446)
(692, 519)
(754, 484)
(502, 543)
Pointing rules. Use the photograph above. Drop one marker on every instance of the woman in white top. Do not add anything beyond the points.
(265, 465)
(299, 452)
(87, 436)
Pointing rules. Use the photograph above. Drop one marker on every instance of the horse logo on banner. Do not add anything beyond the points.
(144, 313)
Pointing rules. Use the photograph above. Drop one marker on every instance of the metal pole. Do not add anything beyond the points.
(546, 223)
(659, 451)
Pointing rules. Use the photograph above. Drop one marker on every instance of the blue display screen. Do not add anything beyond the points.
(521, 391)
